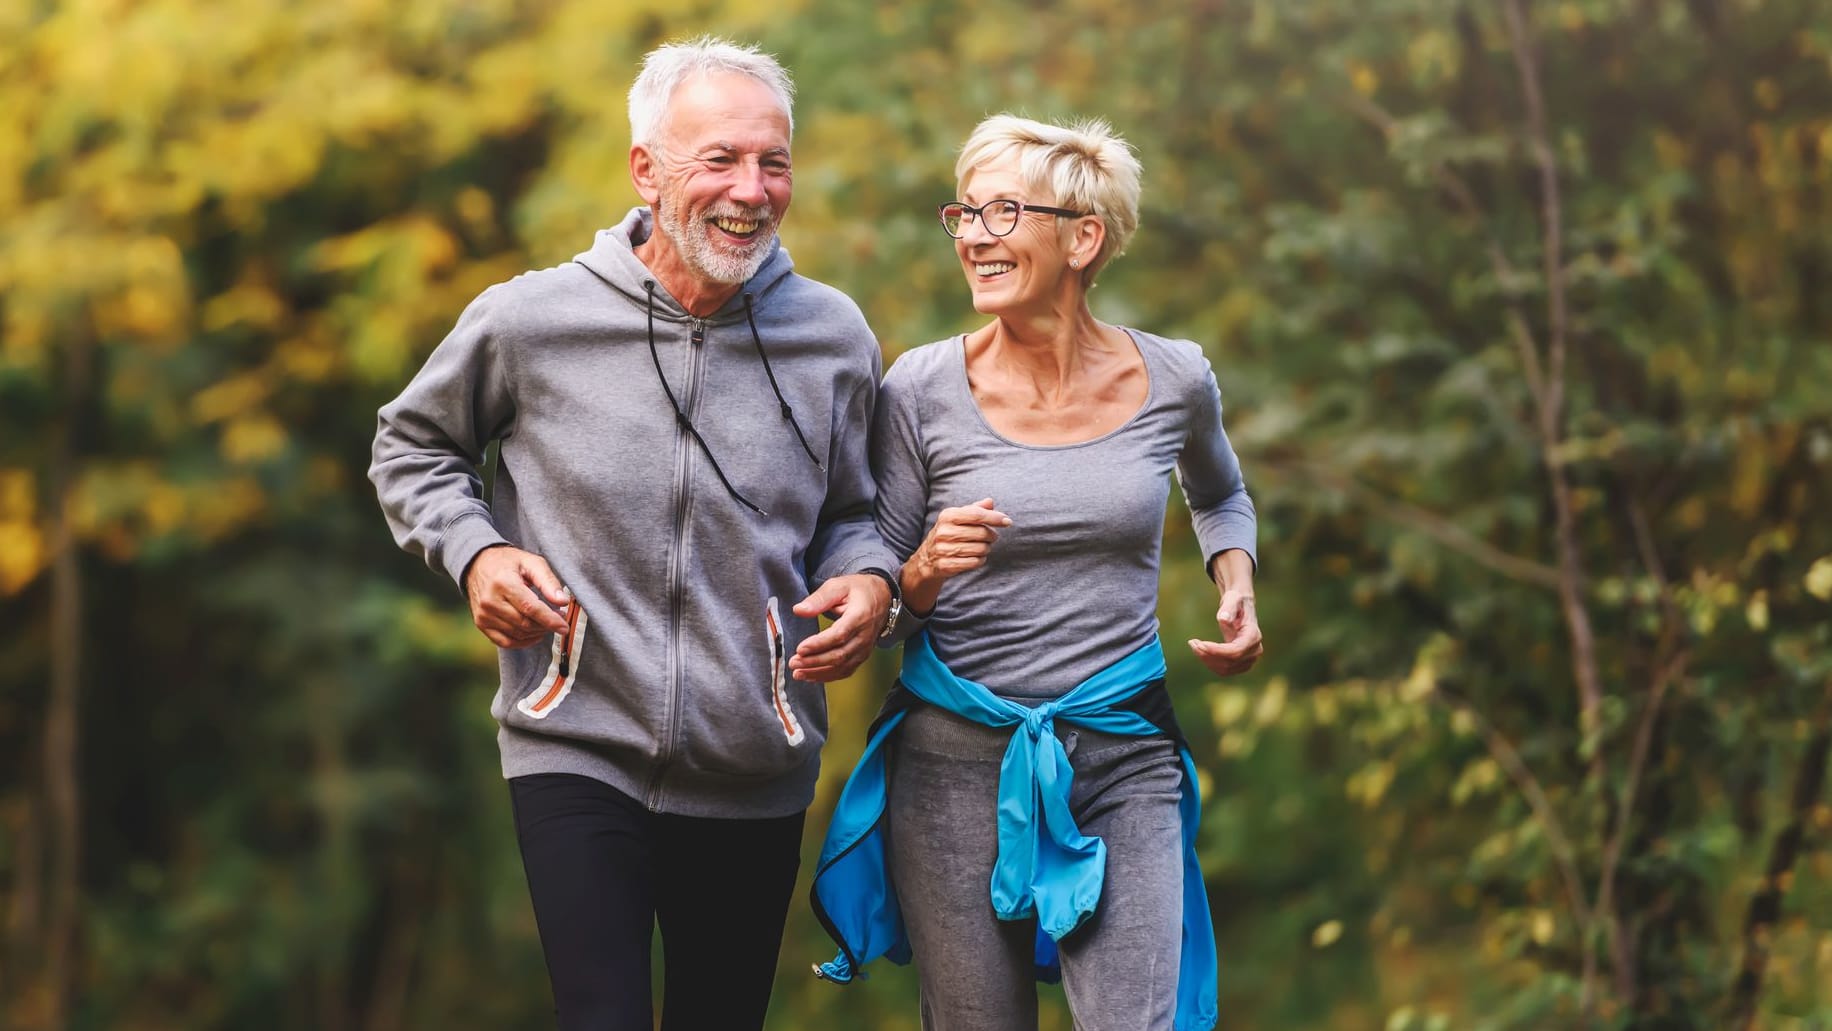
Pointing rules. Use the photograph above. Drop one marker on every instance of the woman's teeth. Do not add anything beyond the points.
(992, 268)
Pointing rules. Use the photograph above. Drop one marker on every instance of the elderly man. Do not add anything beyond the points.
(682, 422)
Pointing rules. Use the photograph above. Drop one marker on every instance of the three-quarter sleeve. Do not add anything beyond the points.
(901, 473)
(898, 467)
(1209, 473)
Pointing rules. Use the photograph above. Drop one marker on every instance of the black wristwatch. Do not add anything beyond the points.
(896, 610)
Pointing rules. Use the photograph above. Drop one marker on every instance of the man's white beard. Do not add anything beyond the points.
(702, 257)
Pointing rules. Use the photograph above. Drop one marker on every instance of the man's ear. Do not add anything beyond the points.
(646, 173)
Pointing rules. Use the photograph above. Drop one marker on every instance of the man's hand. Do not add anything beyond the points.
(858, 604)
(515, 598)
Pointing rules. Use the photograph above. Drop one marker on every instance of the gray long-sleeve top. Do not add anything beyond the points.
(1072, 585)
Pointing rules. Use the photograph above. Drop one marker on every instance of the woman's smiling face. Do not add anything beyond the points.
(1021, 269)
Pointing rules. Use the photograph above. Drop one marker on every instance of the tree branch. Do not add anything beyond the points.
(1551, 399)
(1546, 383)
(1549, 403)
(1552, 254)
(1431, 525)
(1669, 666)
(1664, 677)
(1765, 905)
(1465, 198)
(1563, 855)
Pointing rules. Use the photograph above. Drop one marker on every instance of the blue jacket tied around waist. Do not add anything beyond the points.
(1045, 867)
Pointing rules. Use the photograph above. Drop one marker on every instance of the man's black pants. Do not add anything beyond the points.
(603, 871)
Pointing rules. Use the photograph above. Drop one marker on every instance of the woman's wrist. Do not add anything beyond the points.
(921, 584)
(1232, 570)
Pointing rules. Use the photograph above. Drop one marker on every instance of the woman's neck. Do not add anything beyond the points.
(1047, 349)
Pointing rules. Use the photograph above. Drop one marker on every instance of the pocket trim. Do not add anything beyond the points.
(779, 675)
(563, 671)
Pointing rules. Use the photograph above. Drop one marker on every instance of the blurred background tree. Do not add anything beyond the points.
(1522, 315)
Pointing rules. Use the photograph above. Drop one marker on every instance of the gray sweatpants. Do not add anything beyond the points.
(1119, 970)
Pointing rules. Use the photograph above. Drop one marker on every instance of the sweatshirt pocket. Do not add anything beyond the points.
(562, 671)
(753, 719)
(779, 674)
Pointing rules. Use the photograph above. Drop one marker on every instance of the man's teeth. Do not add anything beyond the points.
(738, 226)
(992, 268)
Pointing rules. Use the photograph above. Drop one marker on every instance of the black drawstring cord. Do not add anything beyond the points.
(787, 412)
(680, 417)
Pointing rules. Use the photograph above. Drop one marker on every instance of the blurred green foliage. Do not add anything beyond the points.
(248, 775)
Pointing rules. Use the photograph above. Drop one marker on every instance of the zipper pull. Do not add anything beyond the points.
(698, 333)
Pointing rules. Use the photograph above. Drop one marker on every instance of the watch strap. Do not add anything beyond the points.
(896, 609)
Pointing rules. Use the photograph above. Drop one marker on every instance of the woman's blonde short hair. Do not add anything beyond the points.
(1085, 166)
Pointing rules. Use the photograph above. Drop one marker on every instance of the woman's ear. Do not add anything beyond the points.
(1089, 234)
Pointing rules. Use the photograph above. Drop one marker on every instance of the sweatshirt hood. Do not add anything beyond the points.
(613, 259)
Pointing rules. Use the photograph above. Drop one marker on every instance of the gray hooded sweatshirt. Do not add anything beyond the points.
(672, 682)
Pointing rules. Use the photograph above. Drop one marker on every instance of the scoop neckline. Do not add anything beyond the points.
(966, 387)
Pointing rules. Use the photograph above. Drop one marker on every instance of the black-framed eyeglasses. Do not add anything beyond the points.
(999, 217)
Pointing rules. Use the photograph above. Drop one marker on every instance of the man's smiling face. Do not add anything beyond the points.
(724, 175)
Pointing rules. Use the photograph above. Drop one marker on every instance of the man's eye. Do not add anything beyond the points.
(719, 159)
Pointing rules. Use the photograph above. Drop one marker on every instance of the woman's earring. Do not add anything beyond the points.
(1074, 262)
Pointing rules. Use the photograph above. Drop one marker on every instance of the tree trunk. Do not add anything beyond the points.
(63, 784)
(62, 769)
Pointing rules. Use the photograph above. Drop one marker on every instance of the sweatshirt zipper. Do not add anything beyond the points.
(677, 578)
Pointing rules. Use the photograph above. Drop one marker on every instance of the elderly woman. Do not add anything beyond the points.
(1023, 472)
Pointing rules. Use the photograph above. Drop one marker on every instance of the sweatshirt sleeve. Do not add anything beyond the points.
(430, 440)
(845, 537)
(1209, 473)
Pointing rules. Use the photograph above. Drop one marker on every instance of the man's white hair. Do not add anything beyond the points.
(1085, 166)
(669, 66)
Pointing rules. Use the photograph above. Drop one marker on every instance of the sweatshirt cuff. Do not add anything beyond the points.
(463, 538)
(853, 562)
(908, 623)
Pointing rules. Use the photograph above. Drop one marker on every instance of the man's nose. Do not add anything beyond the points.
(747, 185)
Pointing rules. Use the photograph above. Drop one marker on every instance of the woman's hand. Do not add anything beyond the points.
(1240, 646)
(961, 540)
